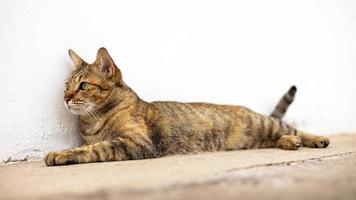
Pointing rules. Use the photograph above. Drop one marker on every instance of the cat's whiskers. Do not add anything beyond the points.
(89, 112)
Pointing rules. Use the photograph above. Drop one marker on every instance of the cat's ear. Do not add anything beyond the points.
(107, 65)
(76, 60)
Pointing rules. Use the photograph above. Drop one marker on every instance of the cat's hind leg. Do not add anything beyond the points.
(313, 141)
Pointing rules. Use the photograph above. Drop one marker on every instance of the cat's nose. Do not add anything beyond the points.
(68, 97)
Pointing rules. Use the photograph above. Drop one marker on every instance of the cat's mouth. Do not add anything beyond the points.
(77, 107)
(75, 110)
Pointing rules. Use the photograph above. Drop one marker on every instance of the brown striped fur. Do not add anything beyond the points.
(117, 125)
(283, 104)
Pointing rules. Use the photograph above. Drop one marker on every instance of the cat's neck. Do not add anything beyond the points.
(121, 104)
(119, 101)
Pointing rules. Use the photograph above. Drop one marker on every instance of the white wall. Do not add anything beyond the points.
(235, 52)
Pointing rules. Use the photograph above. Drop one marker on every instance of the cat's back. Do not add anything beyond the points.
(196, 116)
(195, 109)
(191, 126)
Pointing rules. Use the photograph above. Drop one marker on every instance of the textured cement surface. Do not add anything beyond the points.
(248, 174)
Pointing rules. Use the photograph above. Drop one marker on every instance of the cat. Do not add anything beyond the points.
(117, 125)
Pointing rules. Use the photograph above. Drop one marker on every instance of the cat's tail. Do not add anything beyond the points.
(283, 104)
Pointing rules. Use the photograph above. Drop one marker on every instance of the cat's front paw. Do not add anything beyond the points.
(60, 158)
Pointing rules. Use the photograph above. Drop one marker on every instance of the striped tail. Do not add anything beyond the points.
(283, 104)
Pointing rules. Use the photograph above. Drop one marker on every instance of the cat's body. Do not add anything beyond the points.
(117, 125)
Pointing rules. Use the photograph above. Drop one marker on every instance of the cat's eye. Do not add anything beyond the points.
(84, 85)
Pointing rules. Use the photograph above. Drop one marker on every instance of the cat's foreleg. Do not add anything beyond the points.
(121, 148)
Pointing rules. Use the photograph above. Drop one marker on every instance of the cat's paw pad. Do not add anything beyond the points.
(60, 158)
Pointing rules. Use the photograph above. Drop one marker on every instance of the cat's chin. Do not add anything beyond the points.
(81, 111)
(77, 112)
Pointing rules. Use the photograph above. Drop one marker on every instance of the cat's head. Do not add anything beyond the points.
(91, 86)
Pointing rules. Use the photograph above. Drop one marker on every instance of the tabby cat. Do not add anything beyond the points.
(117, 125)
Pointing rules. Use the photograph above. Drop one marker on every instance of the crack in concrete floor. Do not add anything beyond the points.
(239, 175)
(290, 162)
(274, 175)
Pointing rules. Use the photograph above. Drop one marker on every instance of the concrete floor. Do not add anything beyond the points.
(248, 174)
